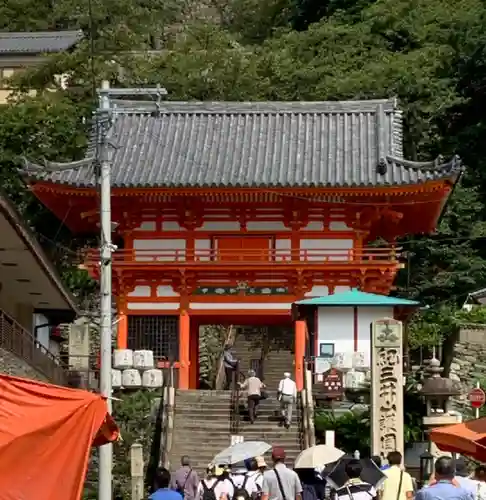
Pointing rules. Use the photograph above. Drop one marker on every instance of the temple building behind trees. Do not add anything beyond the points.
(227, 212)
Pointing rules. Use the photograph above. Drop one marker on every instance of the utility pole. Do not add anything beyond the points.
(106, 249)
(105, 156)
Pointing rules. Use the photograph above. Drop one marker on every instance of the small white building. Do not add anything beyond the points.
(340, 326)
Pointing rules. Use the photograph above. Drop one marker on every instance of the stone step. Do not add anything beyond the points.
(223, 425)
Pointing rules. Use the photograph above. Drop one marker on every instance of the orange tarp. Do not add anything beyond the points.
(46, 432)
(468, 438)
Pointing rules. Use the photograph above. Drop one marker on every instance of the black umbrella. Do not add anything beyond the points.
(370, 474)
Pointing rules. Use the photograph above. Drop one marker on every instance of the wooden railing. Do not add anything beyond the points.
(17, 340)
(215, 257)
(221, 375)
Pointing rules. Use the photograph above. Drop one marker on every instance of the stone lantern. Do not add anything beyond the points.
(437, 392)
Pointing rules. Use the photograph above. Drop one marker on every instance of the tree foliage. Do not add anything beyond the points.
(431, 54)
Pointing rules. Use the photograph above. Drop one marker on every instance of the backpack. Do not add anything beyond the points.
(208, 493)
(240, 492)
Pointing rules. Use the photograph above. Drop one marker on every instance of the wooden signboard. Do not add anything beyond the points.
(332, 385)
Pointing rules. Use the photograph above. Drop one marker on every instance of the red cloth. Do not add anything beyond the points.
(46, 433)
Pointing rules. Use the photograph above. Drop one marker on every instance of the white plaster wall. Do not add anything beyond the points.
(172, 226)
(336, 326)
(41, 334)
(140, 291)
(341, 288)
(282, 249)
(266, 226)
(318, 291)
(240, 306)
(162, 250)
(366, 315)
(166, 291)
(201, 248)
(313, 226)
(317, 250)
(338, 226)
(153, 306)
(147, 226)
(220, 226)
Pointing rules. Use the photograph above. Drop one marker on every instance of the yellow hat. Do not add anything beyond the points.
(260, 461)
(216, 470)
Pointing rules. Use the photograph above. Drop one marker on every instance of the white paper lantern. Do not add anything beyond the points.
(360, 363)
(143, 360)
(343, 361)
(116, 378)
(123, 359)
(354, 379)
(152, 378)
(131, 378)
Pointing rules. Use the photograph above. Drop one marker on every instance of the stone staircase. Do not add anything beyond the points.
(202, 426)
(268, 351)
(202, 423)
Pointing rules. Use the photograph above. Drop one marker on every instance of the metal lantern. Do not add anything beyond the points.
(426, 464)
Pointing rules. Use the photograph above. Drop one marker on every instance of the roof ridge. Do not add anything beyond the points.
(126, 106)
(41, 33)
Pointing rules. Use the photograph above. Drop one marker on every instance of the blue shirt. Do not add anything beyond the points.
(165, 494)
(443, 490)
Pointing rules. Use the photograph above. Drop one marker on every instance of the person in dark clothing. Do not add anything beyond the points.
(230, 364)
(310, 481)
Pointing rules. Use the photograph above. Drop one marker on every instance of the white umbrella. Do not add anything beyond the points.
(240, 452)
(318, 456)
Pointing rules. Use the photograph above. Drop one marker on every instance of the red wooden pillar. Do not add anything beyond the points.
(184, 354)
(122, 328)
(300, 334)
(194, 356)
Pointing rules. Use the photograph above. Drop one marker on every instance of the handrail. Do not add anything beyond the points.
(164, 426)
(200, 257)
(221, 375)
(307, 401)
(17, 340)
(235, 416)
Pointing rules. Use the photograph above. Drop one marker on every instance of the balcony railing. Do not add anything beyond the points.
(244, 257)
(17, 340)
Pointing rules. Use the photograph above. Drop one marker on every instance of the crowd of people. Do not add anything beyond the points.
(254, 480)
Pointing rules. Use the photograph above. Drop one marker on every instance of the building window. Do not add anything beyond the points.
(326, 351)
(156, 333)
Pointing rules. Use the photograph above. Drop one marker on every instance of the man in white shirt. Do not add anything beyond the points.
(287, 394)
(463, 478)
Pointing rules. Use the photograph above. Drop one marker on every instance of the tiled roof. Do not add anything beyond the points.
(267, 144)
(39, 42)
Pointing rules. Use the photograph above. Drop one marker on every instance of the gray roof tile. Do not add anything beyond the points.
(39, 42)
(266, 144)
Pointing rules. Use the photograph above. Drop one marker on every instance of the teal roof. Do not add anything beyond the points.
(356, 298)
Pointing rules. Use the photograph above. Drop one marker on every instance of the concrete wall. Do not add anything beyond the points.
(12, 365)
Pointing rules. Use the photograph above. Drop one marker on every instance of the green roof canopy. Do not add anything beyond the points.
(355, 298)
